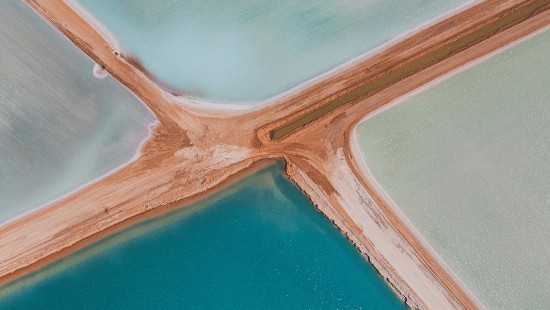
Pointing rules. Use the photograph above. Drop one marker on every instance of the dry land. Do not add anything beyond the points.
(197, 150)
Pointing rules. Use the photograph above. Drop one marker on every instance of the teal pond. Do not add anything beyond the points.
(259, 243)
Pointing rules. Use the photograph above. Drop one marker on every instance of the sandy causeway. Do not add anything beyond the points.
(197, 150)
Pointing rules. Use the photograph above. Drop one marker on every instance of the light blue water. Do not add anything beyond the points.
(59, 126)
(258, 244)
(245, 51)
(468, 163)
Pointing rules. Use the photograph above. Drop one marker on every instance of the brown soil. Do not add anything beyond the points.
(195, 151)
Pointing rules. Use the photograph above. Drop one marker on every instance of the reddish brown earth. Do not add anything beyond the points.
(195, 151)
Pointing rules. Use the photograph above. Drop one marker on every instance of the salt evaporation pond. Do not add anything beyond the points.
(247, 51)
(59, 126)
(257, 244)
(467, 160)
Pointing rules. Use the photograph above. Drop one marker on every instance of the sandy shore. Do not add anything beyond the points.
(194, 151)
(246, 170)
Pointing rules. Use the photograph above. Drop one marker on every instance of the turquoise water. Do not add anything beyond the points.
(468, 163)
(257, 244)
(59, 126)
(246, 51)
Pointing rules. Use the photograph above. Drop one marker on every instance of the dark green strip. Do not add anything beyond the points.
(414, 66)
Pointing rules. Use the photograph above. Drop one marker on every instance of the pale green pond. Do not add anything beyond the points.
(467, 160)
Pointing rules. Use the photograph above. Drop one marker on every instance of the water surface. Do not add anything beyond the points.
(257, 244)
(59, 126)
(468, 162)
(245, 51)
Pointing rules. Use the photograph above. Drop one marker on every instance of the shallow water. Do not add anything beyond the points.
(59, 126)
(257, 244)
(468, 162)
(246, 51)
